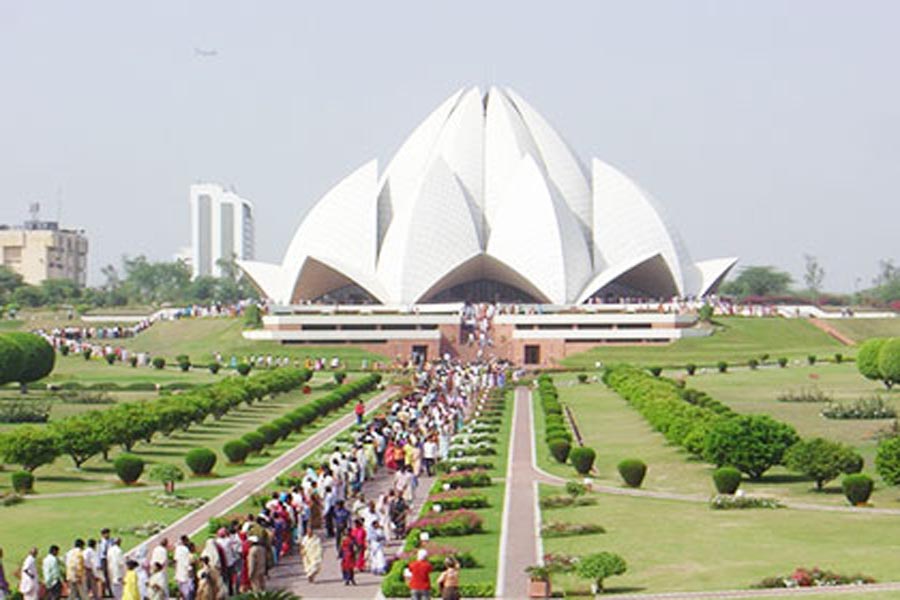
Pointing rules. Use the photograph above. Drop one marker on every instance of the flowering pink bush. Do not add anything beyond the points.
(455, 522)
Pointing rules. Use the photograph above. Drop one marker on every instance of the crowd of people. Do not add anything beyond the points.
(323, 512)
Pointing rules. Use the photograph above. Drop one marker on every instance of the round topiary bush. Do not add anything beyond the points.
(284, 426)
(782, 362)
(582, 459)
(270, 433)
(64, 350)
(753, 364)
(811, 359)
(129, 467)
(255, 440)
(632, 471)
(86, 353)
(214, 367)
(691, 368)
(582, 378)
(110, 358)
(857, 488)
(560, 448)
(22, 481)
(236, 451)
(158, 362)
(12, 358)
(200, 461)
(722, 366)
(38, 356)
(655, 371)
(243, 368)
(727, 480)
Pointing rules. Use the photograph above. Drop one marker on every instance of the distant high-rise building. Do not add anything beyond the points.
(221, 227)
(40, 250)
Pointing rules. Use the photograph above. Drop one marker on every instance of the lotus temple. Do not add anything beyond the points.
(483, 203)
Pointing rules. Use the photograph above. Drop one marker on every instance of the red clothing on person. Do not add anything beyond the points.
(421, 575)
(358, 534)
(348, 559)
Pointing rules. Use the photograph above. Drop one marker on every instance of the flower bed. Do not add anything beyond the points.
(814, 577)
(456, 499)
(438, 552)
(453, 465)
(864, 408)
(451, 523)
(464, 451)
(566, 501)
(729, 502)
(561, 529)
(560, 563)
(465, 479)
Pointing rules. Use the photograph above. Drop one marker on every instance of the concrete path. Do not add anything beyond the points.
(251, 482)
(520, 545)
(289, 575)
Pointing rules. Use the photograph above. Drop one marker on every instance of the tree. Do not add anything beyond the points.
(167, 474)
(867, 359)
(57, 291)
(889, 362)
(752, 443)
(821, 459)
(597, 567)
(81, 437)
(758, 281)
(11, 360)
(10, 281)
(29, 446)
(28, 295)
(813, 275)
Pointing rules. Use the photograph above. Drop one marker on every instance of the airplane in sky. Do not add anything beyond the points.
(205, 53)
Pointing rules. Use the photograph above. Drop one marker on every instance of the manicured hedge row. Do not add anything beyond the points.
(280, 428)
(556, 434)
(95, 432)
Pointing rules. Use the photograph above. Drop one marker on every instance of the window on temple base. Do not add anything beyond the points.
(532, 354)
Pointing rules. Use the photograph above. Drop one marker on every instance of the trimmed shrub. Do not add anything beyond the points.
(284, 427)
(158, 362)
(655, 371)
(243, 368)
(339, 377)
(722, 366)
(782, 362)
(889, 362)
(691, 368)
(184, 365)
(110, 358)
(11, 359)
(38, 357)
(727, 480)
(200, 461)
(560, 448)
(867, 358)
(582, 378)
(214, 367)
(632, 471)
(269, 432)
(811, 359)
(857, 488)
(22, 481)
(64, 350)
(753, 364)
(129, 467)
(133, 361)
(887, 460)
(236, 451)
(597, 567)
(582, 459)
(86, 353)
(838, 358)
(821, 459)
(255, 440)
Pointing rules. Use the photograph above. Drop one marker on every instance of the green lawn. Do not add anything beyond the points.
(675, 546)
(61, 476)
(43, 522)
(202, 338)
(736, 340)
(863, 329)
(616, 431)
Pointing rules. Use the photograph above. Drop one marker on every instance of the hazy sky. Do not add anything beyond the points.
(767, 129)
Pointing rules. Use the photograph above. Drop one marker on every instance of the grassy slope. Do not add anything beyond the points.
(44, 522)
(863, 329)
(202, 338)
(736, 340)
(616, 431)
(677, 546)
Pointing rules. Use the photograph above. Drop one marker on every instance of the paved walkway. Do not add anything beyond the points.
(520, 545)
(251, 482)
(288, 575)
(830, 330)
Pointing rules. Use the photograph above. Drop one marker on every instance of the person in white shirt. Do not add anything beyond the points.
(184, 571)
(115, 567)
(92, 576)
(160, 555)
(28, 582)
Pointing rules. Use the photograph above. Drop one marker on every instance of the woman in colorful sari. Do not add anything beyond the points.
(311, 551)
(130, 590)
(358, 533)
(348, 560)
